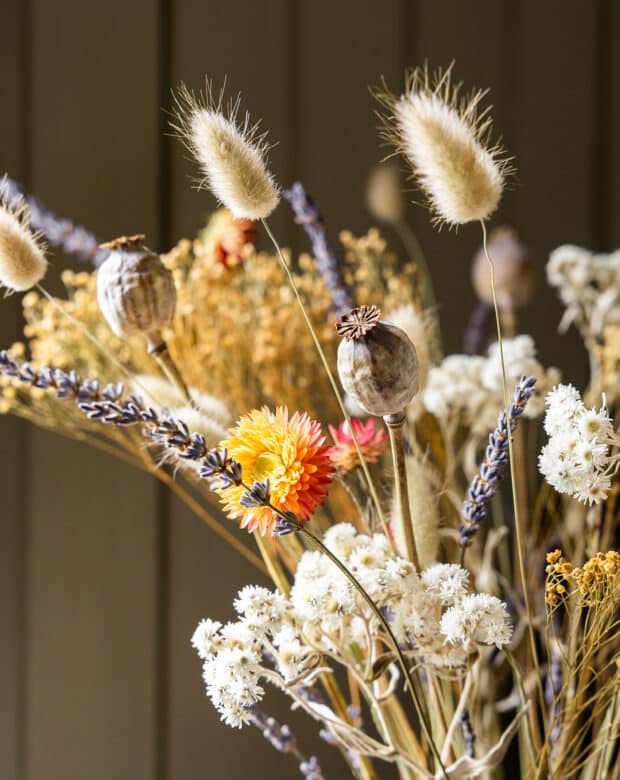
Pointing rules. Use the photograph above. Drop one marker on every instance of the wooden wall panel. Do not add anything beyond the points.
(92, 680)
(613, 92)
(554, 149)
(13, 432)
(344, 49)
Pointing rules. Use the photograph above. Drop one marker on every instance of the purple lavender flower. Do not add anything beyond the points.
(477, 329)
(485, 483)
(59, 232)
(309, 217)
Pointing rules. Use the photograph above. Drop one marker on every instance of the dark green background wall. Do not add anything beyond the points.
(102, 575)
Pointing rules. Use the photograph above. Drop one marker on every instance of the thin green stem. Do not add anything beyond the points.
(332, 379)
(513, 480)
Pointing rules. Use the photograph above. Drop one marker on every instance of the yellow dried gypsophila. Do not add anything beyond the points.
(595, 581)
(239, 334)
(53, 340)
(374, 273)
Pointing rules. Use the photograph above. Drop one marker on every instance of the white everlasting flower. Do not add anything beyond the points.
(577, 460)
(432, 616)
(445, 138)
(588, 285)
(470, 386)
(231, 153)
(205, 639)
(447, 581)
(478, 619)
(22, 253)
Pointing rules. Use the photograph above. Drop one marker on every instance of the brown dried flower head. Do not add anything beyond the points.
(446, 139)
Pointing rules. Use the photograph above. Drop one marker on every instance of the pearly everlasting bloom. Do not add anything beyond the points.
(231, 153)
(470, 386)
(588, 285)
(577, 459)
(22, 254)
(445, 138)
(280, 639)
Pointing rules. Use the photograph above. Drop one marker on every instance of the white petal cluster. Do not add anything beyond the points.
(576, 459)
(470, 386)
(283, 639)
(588, 284)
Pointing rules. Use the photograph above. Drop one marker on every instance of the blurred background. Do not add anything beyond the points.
(102, 575)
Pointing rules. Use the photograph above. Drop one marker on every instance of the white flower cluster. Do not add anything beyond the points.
(470, 386)
(282, 640)
(588, 285)
(576, 460)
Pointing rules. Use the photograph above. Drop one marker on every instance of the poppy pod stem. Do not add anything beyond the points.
(403, 527)
(158, 349)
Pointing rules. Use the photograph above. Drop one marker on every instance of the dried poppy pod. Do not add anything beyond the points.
(136, 294)
(377, 362)
(135, 291)
(514, 271)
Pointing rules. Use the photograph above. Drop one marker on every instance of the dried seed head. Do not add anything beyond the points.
(446, 140)
(135, 291)
(231, 154)
(22, 252)
(384, 194)
(514, 272)
(377, 363)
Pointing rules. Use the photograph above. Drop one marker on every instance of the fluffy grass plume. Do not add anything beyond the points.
(22, 254)
(446, 139)
(231, 152)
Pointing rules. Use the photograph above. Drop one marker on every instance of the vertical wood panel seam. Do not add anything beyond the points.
(162, 493)
(602, 97)
(23, 440)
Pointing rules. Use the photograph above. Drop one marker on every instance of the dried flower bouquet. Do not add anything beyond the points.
(420, 620)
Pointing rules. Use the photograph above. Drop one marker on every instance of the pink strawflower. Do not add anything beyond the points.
(372, 443)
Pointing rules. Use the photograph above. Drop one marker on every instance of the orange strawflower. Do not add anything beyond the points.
(372, 443)
(290, 452)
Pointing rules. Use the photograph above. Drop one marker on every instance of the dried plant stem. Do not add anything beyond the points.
(330, 376)
(170, 369)
(402, 516)
(416, 253)
(273, 564)
(520, 549)
(331, 686)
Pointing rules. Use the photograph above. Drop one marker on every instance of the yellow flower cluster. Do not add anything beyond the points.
(596, 580)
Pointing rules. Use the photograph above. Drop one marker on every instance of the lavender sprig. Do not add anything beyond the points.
(107, 405)
(309, 217)
(282, 739)
(59, 232)
(469, 736)
(485, 483)
(477, 329)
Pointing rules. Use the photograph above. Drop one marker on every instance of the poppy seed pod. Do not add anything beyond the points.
(377, 362)
(135, 291)
(514, 271)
